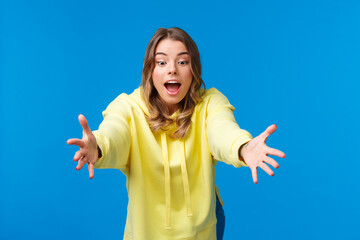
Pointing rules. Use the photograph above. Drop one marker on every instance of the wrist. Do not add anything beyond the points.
(99, 152)
(241, 151)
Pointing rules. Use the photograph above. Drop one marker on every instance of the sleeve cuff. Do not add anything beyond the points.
(100, 143)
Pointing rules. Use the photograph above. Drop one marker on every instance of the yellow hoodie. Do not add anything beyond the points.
(170, 182)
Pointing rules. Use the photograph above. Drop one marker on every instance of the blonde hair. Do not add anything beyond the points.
(159, 117)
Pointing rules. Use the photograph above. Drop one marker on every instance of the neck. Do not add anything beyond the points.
(172, 108)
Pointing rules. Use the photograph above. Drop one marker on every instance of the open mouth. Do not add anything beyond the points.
(172, 86)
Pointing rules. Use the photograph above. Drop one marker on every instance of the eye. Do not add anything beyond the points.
(161, 63)
(183, 62)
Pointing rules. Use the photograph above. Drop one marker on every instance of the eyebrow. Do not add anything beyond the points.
(162, 53)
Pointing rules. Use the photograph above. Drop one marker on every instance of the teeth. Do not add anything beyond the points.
(172, 82)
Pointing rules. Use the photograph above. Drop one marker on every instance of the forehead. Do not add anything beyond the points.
(169, 47)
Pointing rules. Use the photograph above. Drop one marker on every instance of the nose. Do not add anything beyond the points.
(172, 69)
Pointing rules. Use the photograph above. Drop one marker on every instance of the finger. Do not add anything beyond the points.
(77, 156)
(272, 162)
(254, 175)
(91, 170)
(275, 152)
(75, 141)
(84, 124)
(81, 163)
(266, 168)
(270, 130)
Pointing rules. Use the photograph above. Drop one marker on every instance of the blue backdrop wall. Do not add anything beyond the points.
(293, 63)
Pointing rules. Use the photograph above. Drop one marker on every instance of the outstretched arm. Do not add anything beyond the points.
(88, 152)
(255, 153)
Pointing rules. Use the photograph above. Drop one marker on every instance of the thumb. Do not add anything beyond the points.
(254, 174)
(84, 124)
(270, 130)
(91, 170)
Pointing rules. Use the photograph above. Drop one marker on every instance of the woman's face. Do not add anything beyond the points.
(172, 74)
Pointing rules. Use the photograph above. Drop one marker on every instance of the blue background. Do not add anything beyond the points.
(293, 63)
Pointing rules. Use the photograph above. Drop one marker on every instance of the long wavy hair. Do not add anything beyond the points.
(159, 117)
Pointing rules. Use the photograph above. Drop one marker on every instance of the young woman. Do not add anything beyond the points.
(166, 137)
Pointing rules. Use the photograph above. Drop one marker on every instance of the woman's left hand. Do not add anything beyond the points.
(255, 154)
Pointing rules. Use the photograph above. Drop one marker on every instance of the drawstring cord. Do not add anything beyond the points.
(167, 182)
(185, 179)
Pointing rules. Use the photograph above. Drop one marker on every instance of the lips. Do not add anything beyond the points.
(172, 87)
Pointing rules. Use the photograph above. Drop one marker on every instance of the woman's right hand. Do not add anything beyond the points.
(88, 152)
